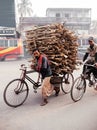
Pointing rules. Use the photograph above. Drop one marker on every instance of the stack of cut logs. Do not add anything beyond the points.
(58, 43)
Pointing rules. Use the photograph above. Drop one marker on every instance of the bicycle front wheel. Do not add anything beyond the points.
(16, 92)
(67, 82)
(78, 89)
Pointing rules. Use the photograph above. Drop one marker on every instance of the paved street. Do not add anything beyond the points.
(61, 113)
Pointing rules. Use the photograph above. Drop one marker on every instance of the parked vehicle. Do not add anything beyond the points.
(10, 48)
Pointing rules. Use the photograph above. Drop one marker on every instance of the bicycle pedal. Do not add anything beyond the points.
(90, 85)
(79, 88)
(35, 87)
(35, 91)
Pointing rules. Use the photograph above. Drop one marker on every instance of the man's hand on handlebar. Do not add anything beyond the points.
(96, 65)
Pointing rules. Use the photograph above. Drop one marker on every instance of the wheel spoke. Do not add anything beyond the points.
(15, 93)
(78, 89)
(67, 83)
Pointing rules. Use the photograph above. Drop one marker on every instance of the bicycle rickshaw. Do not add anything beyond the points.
(79, 86)
(17, 90)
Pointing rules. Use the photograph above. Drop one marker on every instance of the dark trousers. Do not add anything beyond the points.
(88, 69)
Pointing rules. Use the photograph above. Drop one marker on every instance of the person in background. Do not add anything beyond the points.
(43, 67)
(90, 57)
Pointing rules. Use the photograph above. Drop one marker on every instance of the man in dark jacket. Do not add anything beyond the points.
(90, 57)
(43, 66)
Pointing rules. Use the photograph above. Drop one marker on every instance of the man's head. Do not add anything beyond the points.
(36, 53)
(91, 41)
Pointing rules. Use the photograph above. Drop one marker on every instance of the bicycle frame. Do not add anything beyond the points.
(25, 76)
(89, 70)
(18, 88)
(80, 83)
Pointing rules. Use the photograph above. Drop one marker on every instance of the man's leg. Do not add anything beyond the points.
(57, 89)
(44, 102)
(47, 89)
(91, 70)
(84, 69)
(87, 69)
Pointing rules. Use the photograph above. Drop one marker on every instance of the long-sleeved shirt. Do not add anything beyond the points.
(92, 52)
(43, 66)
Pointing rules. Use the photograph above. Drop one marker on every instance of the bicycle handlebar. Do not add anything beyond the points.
(90, 65)
(24, 68)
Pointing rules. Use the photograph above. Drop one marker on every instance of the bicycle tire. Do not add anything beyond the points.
(94, 80)
(15, 95)
(67, 82)
(78, 89)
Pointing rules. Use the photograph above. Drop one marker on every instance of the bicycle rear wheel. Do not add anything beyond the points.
(67, 82)
(78, 89)
(16, 92)
(94, 81)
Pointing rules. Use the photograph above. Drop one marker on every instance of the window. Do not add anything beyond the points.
(67, 15)
(58, 15)
(6, 43)
(13, 43)
(3, 43)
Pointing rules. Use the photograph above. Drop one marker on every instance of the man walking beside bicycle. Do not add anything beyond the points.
(43, 67)
(90, 57)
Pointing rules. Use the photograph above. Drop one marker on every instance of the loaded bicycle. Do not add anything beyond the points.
(87, 79)
(17, 90)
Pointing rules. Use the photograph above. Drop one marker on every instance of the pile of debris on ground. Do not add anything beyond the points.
(58, 43)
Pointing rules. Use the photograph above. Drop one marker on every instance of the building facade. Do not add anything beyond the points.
(7, 19)
(7, 13)
(77, 19)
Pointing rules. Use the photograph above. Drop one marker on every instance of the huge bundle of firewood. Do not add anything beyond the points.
(58, 43)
